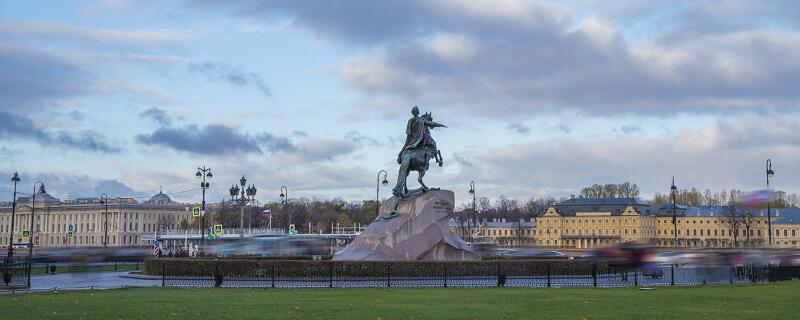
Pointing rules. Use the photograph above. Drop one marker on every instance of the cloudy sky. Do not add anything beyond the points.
(540, 97)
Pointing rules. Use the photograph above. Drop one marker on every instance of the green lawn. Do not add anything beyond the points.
(768, 301)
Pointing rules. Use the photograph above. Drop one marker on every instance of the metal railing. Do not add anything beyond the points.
(16, 272)
(315, 274)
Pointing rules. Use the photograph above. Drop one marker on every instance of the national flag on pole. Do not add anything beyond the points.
(266, 212)
(758, 198)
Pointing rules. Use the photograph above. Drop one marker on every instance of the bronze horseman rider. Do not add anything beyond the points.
(417, 152)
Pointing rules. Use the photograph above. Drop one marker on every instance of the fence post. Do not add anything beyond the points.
(445, 274)
(115, 265)
(388, 274)
(635, 277)
(497, 272)
(137, 264)
(30, 264)
(730, 274)
(163, 274)
(273, 274)
(672, 274)
(548, 275)
(330, 274)
(594, 274)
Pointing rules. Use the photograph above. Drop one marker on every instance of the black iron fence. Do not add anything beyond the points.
(317, 274)
(16, 272)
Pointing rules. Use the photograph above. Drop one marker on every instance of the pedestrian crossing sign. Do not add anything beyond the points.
(26, 234)
(69, 234)
(69, 228)
(196, 212)
(217, 229)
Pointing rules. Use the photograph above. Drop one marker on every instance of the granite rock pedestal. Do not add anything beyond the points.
(418, 232)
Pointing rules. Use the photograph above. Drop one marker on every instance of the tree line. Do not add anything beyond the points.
(694, 197)
(325, 215)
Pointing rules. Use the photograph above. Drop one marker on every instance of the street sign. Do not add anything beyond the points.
(70, 228)
(196, 212)
(292, 230)
(26, 234)
(217, 229)
(69, 234)
(202, 213)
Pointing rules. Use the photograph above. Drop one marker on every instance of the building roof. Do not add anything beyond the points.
(603, 201)
(160, 198)
(41, 197)
(787, 216)
(616, 206)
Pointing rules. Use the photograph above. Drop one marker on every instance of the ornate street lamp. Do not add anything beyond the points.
(251, 194)
(16, 180)
(770, 173)
(673, 190)
(378, 191)
(474, 204)
(244, 193)
(285, 201)
(33, 209)
(204, 173)
(104, 200)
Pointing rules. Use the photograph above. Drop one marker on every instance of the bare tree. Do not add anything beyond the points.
(731, 218)
(747, 221)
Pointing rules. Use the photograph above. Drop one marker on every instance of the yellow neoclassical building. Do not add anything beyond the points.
(591, 223)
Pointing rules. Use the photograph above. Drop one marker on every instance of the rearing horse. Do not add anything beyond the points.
(420, 148)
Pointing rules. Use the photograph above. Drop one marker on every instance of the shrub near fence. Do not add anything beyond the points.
(286, 273)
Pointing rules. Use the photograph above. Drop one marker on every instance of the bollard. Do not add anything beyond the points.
(635, 277)
(163, 274)
(594, 274)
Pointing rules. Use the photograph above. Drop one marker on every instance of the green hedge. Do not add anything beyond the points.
(206, 267)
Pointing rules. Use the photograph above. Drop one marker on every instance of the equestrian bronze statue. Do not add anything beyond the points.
(418, 150)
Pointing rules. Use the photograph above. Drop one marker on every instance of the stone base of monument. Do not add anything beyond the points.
(419, 232)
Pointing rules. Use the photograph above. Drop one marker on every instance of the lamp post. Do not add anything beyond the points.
(33, 209)
(251, 194)
(16, 180)
(474, 204)
(770, 173)
(285, 202)
(203, 173)
(104, 200)
(673, 190)
(244, 195)
(378, 191)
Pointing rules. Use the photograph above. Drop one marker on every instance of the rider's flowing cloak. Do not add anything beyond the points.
(416, 131)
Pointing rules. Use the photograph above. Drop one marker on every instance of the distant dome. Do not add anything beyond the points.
(160, 198)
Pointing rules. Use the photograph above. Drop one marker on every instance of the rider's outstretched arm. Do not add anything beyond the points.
(432, 124)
